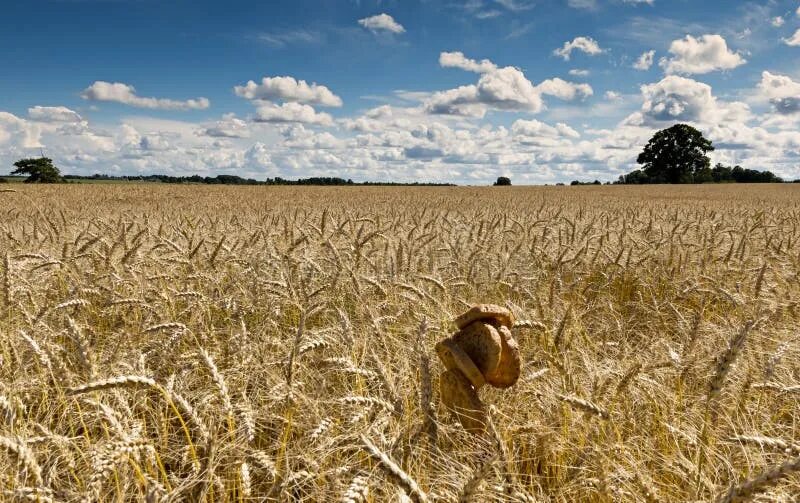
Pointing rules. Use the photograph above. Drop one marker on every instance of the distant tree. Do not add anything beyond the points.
(39, 170)
(676, 155)
(502, 180)
(635, 177)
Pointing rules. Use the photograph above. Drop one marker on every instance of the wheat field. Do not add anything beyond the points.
(196, 343)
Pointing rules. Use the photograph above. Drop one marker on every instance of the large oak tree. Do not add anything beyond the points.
(676, 155)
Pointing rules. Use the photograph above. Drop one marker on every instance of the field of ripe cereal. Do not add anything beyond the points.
(196, 343)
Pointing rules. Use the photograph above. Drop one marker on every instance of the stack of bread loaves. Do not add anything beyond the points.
(482, 351)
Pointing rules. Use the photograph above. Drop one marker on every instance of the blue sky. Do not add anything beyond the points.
(539, 90)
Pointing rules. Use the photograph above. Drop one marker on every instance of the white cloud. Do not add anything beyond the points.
(386, 117)
(680, 99)
(257, 156)
(126, 94)
(583, 44)
(637, 2)
(782, 92)
(228, 127)
(504, 88)
(155, 142)
(778, 21)
(381, 22)
(464, 100)
(700, 55)
(53, 114)
(645, 61)
(458, 60)
(564, 90)
(533, 132)
(794, 40)
(612, 96)
(578, 72)
(292, 112)
(288, 89)
(19, 132)
(298, 137)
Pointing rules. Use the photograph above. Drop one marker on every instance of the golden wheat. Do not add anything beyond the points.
(199, 343)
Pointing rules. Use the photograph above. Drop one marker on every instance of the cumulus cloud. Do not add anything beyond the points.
(680, 99)
(705, 54)
(458, 60)
(385, 117)
(53, 114)
(19, 132)
(292, 112)
(288, 89)
(794, 40)
(564, 90)
(778, 21)
(228, 127)
(126, 94)
(298, 137)
(533, 132)
(645, 61)
(782, 92)
(578, 72)
(465, 101)
(155, 142)
(382, 23)
(504, 88)
(582, 44)
(257, 156)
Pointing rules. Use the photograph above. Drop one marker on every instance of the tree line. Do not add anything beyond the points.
(42, 170)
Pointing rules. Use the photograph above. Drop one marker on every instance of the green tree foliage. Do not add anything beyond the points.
(675, 155)
(738, 174)
(502, 181)
(39, 170)
(635, 177)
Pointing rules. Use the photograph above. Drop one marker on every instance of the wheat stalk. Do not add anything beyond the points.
(405, 480)
(745, 491)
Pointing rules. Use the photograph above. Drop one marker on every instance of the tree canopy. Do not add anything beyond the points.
(675, 155)
(502, 181)
(39, 170)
